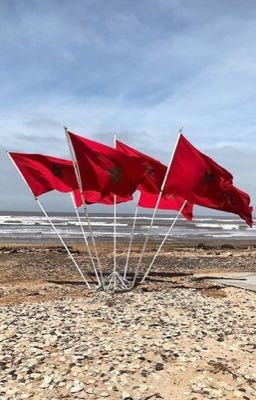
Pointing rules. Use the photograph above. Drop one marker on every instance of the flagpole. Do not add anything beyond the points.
(155, 210)
(79, 181)
(114, 232)
(85, 238)
(52, 225)
(130, 243)
(62, 241)
(163, 241)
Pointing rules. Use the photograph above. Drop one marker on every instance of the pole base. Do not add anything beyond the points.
(113, 282)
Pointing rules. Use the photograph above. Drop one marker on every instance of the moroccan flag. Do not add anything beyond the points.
(106, 170)
(154, 170)
(94, 197)
(200, 180)
(237, 202)
(167, 202)
(195, 176)
(45, 173)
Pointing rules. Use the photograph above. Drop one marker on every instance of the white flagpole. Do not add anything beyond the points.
(114, 232)
(52, 225)
(64, 244)
(85, 238)
(163, 241)
(79, 181)
(155, 210)
(130, 243)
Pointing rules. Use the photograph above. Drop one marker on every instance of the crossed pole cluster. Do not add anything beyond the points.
(114, 281)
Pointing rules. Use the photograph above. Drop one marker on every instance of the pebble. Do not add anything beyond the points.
(78, 386)
(47, 381)
(131, 349)
(104, 394)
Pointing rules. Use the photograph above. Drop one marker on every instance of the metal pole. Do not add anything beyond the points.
(55, 230)
(79, 181)
(93, 239)
(130, 243)
(163, 241)
(114, 232)
(85, 238)
(64, 244)
(155, 210)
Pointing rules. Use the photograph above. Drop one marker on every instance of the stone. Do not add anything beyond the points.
(90, 390)
(104, 394)
(237, 394)
(159, 366)
(46, 382)
(78, 386)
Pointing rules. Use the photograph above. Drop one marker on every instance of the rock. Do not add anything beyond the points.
(78, 386)
(90, 390)
(203, 246)
(47, 381)
(104, 394)
(227, 246)
(159, 366)
(237, 394)
(216, 393)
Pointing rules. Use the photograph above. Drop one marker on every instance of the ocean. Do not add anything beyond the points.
(33, 227)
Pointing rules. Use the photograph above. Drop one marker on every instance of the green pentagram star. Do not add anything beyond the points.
(149, 169)
(115, 174)
(57, 171)
(208, 177)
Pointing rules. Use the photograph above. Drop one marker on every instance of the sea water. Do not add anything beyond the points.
(35, 227)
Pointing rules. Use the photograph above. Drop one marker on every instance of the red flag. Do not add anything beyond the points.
(95, 197)
(237, 202)
(167, 202)
(195, 175)
(154, 170)
(44, 173)
(106, 170)
(200, 180)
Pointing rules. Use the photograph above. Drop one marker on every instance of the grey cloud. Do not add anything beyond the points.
(42, 122)
(138, 69)
(38, 139)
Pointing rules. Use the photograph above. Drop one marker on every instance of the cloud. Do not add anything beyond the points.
(140, 70)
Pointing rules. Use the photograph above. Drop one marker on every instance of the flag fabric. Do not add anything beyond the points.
(200, 180)
(95, 197)
(154, 169)
(195, 176)
(106, 170)
(45, 173)
(167, 202)
(236, 201)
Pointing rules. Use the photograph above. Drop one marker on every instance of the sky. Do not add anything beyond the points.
(137, 69)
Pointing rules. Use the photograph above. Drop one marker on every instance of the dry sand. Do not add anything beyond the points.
(174, 338)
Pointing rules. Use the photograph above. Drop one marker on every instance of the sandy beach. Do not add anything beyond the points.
(176, 337)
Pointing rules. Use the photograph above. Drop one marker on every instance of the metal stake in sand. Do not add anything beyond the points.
(114, 277)
(85, 238)
(79, 181)
(51, 223)
(163, 241)
(114, 233)
(130, 243)
(155, 210)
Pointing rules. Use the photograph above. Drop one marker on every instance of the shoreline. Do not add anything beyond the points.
(176, 264)
(172, 241)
